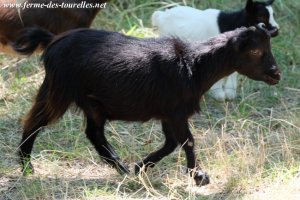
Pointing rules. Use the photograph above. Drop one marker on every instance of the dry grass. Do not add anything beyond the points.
(250, 147)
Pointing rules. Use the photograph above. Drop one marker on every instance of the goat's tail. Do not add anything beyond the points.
(31, 39)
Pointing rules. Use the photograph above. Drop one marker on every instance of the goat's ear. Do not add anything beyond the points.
(236, 43)
(240, 42)
(249, 5)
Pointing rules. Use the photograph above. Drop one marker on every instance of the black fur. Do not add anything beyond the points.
(110, 76)
(253, 13)
(34, 37)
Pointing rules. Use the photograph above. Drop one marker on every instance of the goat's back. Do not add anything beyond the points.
(187, 23)
(123, 77)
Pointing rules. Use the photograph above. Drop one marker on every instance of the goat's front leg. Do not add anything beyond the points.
(217, 92)
(185, 138)
(95, 133)
(230, 86)
(166, 149)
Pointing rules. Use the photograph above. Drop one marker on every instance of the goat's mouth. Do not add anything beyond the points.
(272, 79)
(274, 32)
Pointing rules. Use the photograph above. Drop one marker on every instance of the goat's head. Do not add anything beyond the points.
(254, 57)
(262, 12)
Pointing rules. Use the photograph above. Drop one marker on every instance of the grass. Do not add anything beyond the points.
(250, 147)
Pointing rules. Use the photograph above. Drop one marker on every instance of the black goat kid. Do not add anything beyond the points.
(110, 76)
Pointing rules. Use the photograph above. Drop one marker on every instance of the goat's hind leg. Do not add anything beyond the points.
(95, 133)
(32, 126)
(35, 119)
(44, 111)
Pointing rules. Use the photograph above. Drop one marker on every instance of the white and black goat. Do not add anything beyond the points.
(192, 24)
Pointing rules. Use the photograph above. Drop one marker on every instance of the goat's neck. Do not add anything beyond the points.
(231, 20)
(213, 65)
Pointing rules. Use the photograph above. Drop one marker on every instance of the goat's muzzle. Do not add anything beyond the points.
(274, 32)
(270, 30)
(273, 76)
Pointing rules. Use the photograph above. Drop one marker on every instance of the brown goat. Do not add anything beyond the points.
(55, 20)
(110, 76)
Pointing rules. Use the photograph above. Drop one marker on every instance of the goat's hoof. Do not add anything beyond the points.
(122, 168)
(27, 169)
(201, 178)
(139, 167)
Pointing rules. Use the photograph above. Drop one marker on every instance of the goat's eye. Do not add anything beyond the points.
(262, 19)
(255, 52)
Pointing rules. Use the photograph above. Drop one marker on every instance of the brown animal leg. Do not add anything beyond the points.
(36, 118)
(42, 113)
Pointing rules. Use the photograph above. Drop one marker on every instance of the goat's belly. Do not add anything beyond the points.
(122, 110)
(130, 118)
(134, 116)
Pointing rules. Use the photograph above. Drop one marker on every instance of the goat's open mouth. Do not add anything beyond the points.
(272, 79)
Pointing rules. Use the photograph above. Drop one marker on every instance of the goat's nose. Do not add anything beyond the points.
(274, 31)
(275, 71)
